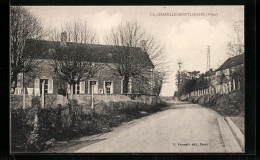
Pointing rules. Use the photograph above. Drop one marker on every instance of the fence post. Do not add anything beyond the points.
(229, 86)
(43, 93)
(234, 84)
(226, 87)
(92, 98)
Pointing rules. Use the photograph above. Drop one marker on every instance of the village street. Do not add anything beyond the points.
(183, 127)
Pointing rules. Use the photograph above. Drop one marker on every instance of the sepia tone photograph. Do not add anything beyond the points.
(127, 79)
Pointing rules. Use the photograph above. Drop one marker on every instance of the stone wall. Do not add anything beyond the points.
(16, 101)
(104, 74)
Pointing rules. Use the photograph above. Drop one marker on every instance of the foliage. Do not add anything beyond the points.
(159, 78)
(187, 86)
(191, 81)
(227, 105)
(20, 128)
(202, 82)
(238, 74)
(36, 129)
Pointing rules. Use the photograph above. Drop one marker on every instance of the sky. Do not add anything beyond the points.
(184, 31)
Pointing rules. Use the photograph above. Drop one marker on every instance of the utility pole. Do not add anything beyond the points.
(208, 58)
(179, 75)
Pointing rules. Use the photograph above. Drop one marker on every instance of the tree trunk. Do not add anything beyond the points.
(71, 91)
(125, 84)
(14, 80)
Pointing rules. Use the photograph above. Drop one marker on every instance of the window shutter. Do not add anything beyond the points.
(37, 86)
(112, 88)
(96, 88)
(50, 86)
(68, 88)
(82, 87)
(104, 88)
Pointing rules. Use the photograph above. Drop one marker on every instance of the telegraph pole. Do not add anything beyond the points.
(179, 75)
(208, 58)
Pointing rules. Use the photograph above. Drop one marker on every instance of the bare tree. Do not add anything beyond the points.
(159, 78)
(131, 61)
(74, 62)
(77, 31)
(236, 46)
(23, 26)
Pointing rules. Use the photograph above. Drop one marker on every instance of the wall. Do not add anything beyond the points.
(223, 88)
(16, 101)
(105, 73)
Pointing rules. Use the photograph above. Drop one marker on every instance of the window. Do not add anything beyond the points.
(76, 88)
(108, 87)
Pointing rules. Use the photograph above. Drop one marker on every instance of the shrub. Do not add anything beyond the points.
(231, 104)
(193, 99)
(38, 128)
(101, 108)
(47, 125)
(20, 129)
(201, 100)
(23, 125)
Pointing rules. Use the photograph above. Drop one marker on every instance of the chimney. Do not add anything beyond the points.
(63, 38)
(143, 45)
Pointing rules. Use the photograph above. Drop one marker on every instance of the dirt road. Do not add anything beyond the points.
(181, 128)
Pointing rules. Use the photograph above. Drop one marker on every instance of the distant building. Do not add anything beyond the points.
(224, 75)
(228, 77)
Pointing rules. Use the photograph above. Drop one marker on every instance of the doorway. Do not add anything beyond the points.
(45, 88)
(93, 87)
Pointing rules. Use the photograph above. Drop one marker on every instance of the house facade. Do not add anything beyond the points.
(105, 81)
(228, 77)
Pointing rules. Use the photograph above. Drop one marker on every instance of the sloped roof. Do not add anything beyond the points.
(210, 73)
(102, 53)
(232, 62)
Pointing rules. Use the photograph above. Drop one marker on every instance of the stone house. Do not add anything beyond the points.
(228, 77)
(225, 79)
(105, 81)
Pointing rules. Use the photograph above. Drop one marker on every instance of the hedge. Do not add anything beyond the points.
(35, 129)
(231, 104)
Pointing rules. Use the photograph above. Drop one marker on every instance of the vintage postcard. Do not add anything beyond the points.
(127, 79)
